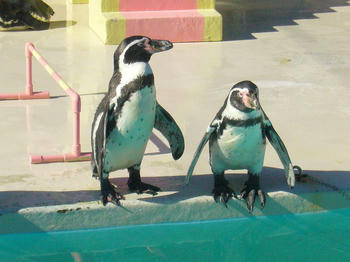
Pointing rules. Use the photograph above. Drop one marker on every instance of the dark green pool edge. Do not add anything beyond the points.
(311, 236)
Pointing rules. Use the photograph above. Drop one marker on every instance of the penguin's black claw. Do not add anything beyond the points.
(224, 193)
(262, 198)
(141, 188)
(249, 193)
(109, 194)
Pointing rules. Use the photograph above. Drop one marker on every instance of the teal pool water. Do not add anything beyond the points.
(323, 236)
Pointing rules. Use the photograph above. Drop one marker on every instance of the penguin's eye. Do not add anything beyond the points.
(240, 94)
(141, 44)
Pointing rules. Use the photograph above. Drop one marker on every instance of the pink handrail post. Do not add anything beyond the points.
(29, 78)
(76, 104)
(76, 154)
(28, 94)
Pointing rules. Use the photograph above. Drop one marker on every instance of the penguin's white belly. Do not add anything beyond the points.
(239, 148)
(126, 145)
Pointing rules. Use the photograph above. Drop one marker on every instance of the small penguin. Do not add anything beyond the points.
(125, 118)
(24, 14)
(237, 140)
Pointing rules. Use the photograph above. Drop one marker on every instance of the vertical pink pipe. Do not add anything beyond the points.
(76, 134)
(76, 104)
(29, 83)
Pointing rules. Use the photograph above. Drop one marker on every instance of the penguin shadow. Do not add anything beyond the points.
(162, 147)
(243, 18)
(12, 201)
(53, 25)
(272, 181)
(61, 24)
(174, 191)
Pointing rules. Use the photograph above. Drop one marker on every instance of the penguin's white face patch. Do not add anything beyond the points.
(148, 46)
(240, 90)
(231, 112)
(133, 68)
(130, 72)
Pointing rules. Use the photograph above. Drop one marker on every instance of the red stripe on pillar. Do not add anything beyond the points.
(156, 5)
(176, 26)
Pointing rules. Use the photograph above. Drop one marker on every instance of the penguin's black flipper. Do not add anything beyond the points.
(102, 126)
(98, 139)
(281, 150)
(200, 147)
(165, 124)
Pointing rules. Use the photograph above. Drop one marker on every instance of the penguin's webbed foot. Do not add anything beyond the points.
(109, 194)
(140, 188)
(221, 190)
(136, 185)
(223, 193)
(249, 194)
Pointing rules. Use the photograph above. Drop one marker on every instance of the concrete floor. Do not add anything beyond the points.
(302, 71)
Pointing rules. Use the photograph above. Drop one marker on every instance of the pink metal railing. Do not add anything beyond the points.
(76, 154)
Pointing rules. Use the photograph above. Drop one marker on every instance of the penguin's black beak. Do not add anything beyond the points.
(254, 103)
(155, 46)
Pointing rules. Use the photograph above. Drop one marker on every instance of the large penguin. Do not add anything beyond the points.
(24, 14)
(126, 116)
(237, 140)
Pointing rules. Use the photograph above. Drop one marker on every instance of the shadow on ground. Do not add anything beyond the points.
(61, 24)
(273, 180)
(241, 18)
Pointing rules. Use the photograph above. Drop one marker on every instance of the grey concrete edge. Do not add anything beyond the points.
(87, 215)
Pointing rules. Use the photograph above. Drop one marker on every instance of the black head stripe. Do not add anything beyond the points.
(239, 123)
(132, 87)
(121, 49)
(111, 122)
(136, 53)
(219, 114)
(113, 83)
(127, 41)
(247, 84)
